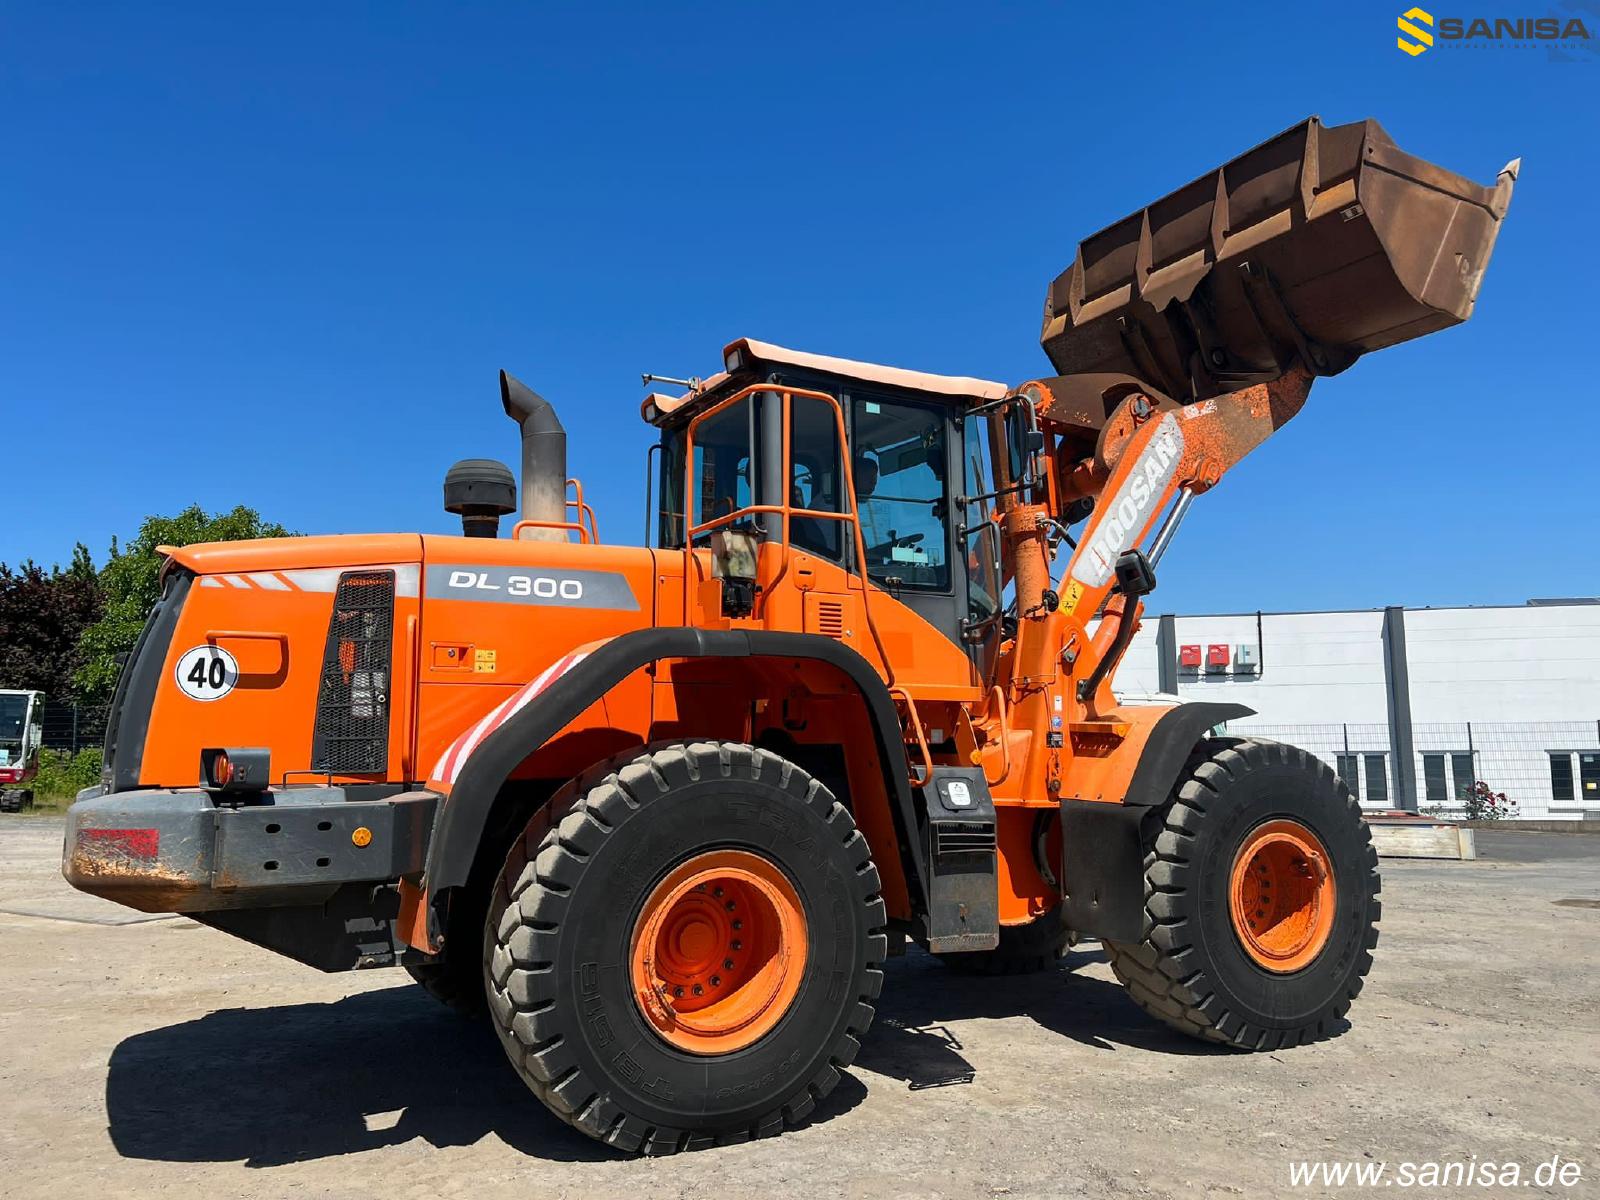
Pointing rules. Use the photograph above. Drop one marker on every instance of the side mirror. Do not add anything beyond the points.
(1024, 441)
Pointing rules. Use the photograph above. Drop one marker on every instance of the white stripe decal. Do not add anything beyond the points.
(465, 746)
(236, 581)
(268, 581)
(448, 768)
(321, 579)
(210, 581)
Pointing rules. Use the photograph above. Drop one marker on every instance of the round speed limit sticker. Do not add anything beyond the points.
(207, 673)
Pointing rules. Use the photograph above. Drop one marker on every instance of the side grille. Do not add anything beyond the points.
(830, 619)
(955, 838)
(351, 736)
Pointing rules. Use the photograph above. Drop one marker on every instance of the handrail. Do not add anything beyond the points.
(588, 535)
(583, 509)
(922, 742)
(1005, 739)
(528, 523)
(785, 510)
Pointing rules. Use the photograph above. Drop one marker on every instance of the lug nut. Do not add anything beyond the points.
(737, 945)
(737, 925)
(727, 964)
(698, 990)
(730, 906)
(717, 892)
(716, 981)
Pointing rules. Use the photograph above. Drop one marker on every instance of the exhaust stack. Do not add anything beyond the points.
(544, 457)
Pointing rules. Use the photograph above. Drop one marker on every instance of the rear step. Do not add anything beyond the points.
(1311, 249)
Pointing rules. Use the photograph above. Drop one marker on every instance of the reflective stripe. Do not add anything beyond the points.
(320, 579)
(407, 579)
(448, 769)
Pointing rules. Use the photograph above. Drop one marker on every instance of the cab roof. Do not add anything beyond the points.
(744, 358)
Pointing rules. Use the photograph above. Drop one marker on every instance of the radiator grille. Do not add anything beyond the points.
(351, 736)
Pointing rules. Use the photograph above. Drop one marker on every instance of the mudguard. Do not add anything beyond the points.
(1102, 850)
(475, 767)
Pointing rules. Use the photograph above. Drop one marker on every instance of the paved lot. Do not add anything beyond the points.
(143, 1056)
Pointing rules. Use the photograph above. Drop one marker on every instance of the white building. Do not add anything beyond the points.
(1409, 705)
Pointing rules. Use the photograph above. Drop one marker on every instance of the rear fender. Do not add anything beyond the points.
(480, 761)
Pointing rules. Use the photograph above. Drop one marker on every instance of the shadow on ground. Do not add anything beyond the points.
(911, 1040)
(269, 1086)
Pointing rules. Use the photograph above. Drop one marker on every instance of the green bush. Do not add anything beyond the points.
(62, 775)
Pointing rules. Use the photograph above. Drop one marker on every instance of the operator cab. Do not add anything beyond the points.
(915, 454)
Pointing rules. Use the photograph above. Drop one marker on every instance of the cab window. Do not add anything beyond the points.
(899, 457)
(816, 478)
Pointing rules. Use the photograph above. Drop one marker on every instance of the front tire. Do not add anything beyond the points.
(1261, 902)
(610, 934)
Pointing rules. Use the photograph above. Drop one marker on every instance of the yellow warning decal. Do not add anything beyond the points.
(483, 662)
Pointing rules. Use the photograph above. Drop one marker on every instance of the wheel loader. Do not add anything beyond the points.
(658, 813)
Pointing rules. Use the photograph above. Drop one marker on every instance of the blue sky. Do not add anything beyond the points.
(276, 257)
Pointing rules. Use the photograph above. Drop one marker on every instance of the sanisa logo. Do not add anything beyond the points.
(1419, 30)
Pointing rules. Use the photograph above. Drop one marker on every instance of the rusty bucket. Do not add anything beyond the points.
(1311, 249)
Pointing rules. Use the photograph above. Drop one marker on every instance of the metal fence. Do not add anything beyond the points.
(1548, 769)
(72, 727)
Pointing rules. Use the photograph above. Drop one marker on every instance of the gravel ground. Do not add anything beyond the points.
(142, 1056)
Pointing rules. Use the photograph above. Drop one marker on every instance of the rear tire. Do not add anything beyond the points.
(574, 901)
(1199, 967)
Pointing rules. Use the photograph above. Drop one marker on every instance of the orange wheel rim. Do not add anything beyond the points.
(1281, 895)
(718, 952)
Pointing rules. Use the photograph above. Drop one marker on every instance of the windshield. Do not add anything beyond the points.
(13, 723)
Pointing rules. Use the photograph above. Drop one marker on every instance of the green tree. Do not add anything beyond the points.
(42, 618)
(131, 584)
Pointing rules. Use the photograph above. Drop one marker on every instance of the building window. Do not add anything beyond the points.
(1347, 766)
(1433, 788)
(1561, 775)
(1377, 772)
(1461, 780)
(1587, 790)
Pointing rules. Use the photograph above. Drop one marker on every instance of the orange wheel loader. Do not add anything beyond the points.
(659, 813)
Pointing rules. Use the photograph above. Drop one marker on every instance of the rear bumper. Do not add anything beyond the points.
(177, 850)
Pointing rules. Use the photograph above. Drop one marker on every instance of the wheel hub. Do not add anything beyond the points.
(1282, 896)
(718, 952)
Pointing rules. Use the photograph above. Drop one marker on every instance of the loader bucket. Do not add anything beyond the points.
(1311, 249)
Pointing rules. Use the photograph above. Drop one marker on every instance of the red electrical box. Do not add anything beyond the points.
(1188, 656)
(1217, 656)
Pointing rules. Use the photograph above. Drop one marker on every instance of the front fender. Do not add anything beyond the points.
(1102, 841)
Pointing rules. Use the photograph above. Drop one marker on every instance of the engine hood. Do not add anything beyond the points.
(278, 554)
